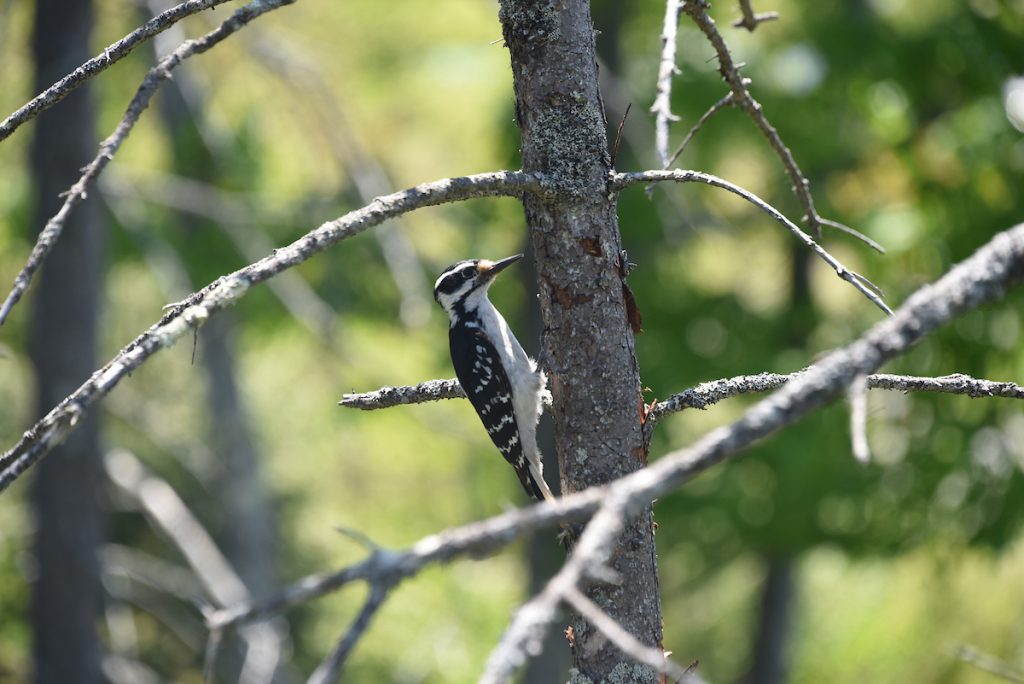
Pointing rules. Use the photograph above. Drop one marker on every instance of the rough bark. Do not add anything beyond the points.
(544, 556)
(574, 230)
(66, 596)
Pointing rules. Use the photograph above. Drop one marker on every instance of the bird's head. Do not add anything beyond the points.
(462, 282)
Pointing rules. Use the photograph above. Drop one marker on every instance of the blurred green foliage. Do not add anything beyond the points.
(894, 110)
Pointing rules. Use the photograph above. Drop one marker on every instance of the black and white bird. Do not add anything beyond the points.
(504, 385)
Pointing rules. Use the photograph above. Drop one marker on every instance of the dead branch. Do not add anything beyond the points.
(697, 10)
(50, 233)
(751, 20)
(865, 286)
(662, 107)
(110, 56)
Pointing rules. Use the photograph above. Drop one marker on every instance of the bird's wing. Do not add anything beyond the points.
(483, 377)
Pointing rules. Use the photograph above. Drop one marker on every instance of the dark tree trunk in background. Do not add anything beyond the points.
(769, 656)
(575, 236)
(66, 596)
(769, 662)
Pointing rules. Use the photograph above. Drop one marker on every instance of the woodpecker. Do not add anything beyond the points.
(504, 385)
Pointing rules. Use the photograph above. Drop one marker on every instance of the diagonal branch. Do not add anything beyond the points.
(330, 668)
(865, 286)
(110, 56)
(982, 278)
(192, 312)
(697, 9)
(722, 103)
(475, 539)
(50, 233)
(752, 20)
(662, 107)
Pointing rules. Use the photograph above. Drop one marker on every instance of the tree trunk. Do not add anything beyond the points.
(595, 377)
(66, 596)
(768, 664)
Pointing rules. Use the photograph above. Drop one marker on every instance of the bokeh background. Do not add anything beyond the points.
(904, 114)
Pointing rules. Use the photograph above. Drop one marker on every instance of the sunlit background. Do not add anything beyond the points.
(906, 116)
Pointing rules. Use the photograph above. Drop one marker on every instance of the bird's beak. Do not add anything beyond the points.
(493, 268)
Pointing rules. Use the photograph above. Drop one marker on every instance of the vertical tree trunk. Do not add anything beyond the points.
(595, 377)
(66, 596)
(768, 664)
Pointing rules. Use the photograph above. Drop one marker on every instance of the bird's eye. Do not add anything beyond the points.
(467, 273)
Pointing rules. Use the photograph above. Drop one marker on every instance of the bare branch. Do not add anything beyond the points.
(865, 286)
(703, 395)
(858, 395)
(957, 383)
(697, 9)
(714, 109)
(50, 233)
(842, 227)
(329, 670)
(662, 107)
(391, 567)
(192, 312)
(171, 516)
(750, 20)
(110, 56)
(981, 278)
(988, 663)
(623, 640)
(708, 393)
(386, 397)
(235, 218)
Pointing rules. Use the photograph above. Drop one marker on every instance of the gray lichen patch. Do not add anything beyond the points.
(568, 137)
(632, 673)
(529, 22)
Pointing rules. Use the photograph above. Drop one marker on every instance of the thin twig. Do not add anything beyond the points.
(865, 286)
(110, 56)
(662, 107)
(50, 233)
(697, 10)
(989, 663)
(708, 393)
(858, 395)
(386, 397)
(623, 640)
(330, 668)
(855, 233)
(750, 20)
(187, 315)
(170, 515)
(714, 109)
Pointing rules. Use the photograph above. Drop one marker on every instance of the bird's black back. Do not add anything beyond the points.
(483, 377)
